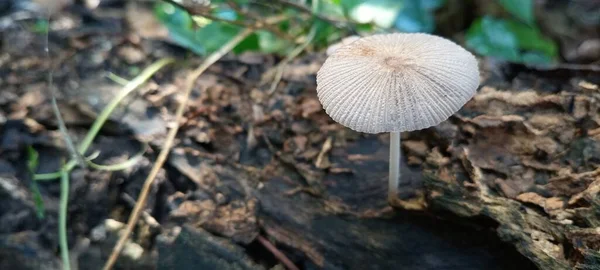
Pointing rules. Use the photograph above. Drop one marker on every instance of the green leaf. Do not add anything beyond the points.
(40, 209)
(333, 8)
(417, 15)
(536, 58)
(32, 164)
(212, 36)
(521, 9)
(270, 43)
(251, 43)
(510, 40)
(492, 37)
(381, 12)
(208, 38)
(531, 38)
(41, 26)
(32, 159)
(180, 26)
(326, 34)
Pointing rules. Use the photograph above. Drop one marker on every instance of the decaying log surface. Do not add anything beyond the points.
(343, 223)
(317, 190)
(525, 153)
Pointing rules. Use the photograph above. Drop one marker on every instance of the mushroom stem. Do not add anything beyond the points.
(394, 180)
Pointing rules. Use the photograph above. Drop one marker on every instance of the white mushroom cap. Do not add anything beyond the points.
(396, 82)
(345, 41)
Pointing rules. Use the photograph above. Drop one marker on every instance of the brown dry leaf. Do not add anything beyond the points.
(587, 195)
(436, 158)
(201, 174)
(322, 161)
(236, 220)
(532, 197)
(199, 211)
(413, 160)
(310, 106)
(338, 170)
(588, 85)
(299, 72)
(418, 148)
(494, 156)
(581, 107)
(296, 145)
(416, 203)
(555, 123)
(488, 121)
(550, 205)
(142, 22)
(300, 142)
(569, 184)
(131, 55)
(554, 167)
(553, 204)
(522, 98)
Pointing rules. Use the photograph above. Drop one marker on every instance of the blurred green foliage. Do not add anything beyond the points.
(418, 15)
(521, 9)
(510, 40)
(40, 26)
(513, 37)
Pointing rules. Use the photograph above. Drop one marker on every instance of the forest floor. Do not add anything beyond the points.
(255, 176)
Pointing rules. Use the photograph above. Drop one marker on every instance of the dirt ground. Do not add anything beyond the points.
(509, 182)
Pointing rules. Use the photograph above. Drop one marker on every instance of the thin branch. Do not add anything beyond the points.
(61, 123)
(149, 219)
(143, 196)
(256, 24)
(295, 52)
(277, 253)
(258, 21)
(334, 21)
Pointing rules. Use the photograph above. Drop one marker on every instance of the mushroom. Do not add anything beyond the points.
(394, 83)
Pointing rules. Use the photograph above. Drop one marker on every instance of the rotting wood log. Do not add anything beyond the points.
(526, 155)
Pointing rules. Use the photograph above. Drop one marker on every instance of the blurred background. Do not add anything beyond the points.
(527, 31)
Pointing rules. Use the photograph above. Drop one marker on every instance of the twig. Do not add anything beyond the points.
(289, 57)
(277, 253)
(257, 24)
(295, 52)
(160, 160)
(303, 8)
(61, 123)
(149, 219)
(258, 21)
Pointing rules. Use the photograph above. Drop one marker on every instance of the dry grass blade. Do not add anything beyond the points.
(295, 52)
(143, 196)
